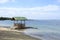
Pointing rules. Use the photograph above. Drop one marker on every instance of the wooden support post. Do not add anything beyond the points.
(24, 22)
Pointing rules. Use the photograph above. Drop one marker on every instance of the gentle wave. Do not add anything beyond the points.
(46, 35)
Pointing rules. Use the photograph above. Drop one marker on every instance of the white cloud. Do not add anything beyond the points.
(51, 8)
(5, 1)
(45, 12)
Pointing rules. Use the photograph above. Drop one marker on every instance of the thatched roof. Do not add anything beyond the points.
(20, 18)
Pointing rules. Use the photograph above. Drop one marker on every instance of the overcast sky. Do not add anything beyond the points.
(32, 9)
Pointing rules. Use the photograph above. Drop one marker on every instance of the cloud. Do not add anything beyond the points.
(5, 1)
(51, 8)
(45, 12)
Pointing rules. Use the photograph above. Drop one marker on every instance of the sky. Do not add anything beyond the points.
(31, 9)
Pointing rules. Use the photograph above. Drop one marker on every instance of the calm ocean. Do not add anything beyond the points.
(46, 29)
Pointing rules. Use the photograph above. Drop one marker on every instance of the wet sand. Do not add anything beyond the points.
(8, 34)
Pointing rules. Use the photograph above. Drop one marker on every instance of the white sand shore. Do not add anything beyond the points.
(8, 34)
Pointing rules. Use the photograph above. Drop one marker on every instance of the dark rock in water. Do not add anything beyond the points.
(30, 28)
(26, 28)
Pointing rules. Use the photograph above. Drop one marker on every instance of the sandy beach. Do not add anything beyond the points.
(8, 34)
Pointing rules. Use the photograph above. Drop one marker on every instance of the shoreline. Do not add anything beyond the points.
(8, 34)
(34, 36)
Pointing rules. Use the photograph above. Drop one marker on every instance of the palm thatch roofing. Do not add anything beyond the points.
(20, 18)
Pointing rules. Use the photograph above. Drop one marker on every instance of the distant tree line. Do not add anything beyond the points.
(6, 18)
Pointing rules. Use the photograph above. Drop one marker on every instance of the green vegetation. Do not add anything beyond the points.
(4, 18)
